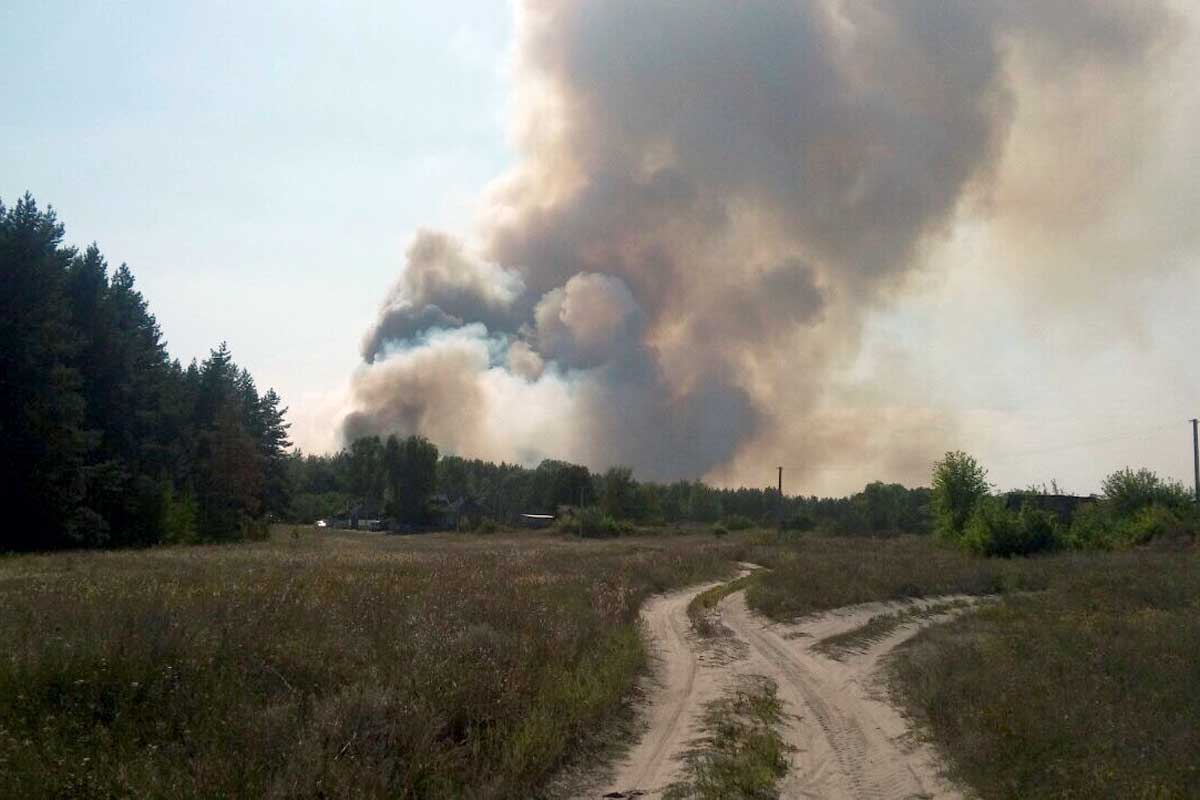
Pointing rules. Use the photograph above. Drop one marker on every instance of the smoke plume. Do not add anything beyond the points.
(712, 199)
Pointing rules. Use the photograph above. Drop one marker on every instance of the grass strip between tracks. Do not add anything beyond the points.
(741, 754)
(701, 611)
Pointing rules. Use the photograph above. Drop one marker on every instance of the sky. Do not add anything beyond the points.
(260, 166)
(265, 170)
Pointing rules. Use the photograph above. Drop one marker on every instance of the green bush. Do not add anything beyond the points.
(1153, 522)
(1138, 507)
(993, 530)
(959, 483)
(719, 531)
(592, 523)
(179, 517)
(737, 522)
(1093, 527)
(486, 526)
(1128, 492)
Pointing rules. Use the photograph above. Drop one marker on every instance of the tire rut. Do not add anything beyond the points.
(848, 741)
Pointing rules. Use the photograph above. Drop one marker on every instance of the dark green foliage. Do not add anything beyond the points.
(736, 522)
(618, 493)
(592, 523)
(326, 486)
(557, 483)
(43, 442)
(411, 467)
(105, 440)
(993, 530)
(959, 482)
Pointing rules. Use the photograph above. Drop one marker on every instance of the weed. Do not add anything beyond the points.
(741, 755)
(702, 607)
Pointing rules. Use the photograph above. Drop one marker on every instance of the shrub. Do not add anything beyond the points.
(1152, 522)
(1128, 492)
(801, 522)
(1138, 507)
(719, 531)
(486, 526)
(592, 523)
(959, 483)
(995, 531)
(737, 522)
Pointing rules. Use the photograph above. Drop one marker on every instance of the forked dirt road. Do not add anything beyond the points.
(848, 741)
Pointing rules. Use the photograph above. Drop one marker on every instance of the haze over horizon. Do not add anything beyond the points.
(701, 240)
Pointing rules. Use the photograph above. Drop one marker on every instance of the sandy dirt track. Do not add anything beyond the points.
(849, 741)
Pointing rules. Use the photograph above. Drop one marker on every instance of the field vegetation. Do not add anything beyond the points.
(811, 574)
(1090, 688)
(323, 665)
(1082, 681)
(740, 754)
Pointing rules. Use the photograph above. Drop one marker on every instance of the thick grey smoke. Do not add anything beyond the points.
(712, 198)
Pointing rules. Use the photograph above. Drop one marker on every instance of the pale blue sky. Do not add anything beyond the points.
(260, 166)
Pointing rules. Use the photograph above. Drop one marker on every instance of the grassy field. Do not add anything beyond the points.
(335, 665)
(322, 665)
(1090, 689)
(815, 573)
(1083, 682)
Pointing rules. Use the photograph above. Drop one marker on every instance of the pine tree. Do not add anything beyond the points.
(42, 406)
(274, 444)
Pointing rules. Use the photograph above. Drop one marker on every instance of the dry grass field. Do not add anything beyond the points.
(1083, 682)
(1090, 689)
(357, 665)
(322, 665)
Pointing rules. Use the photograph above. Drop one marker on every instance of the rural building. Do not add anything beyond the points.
(1062, 506)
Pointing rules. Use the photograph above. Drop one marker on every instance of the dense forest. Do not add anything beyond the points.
(404, 480)
(106, 440)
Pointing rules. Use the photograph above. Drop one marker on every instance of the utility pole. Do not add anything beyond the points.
(1196, 454)
(779, 500)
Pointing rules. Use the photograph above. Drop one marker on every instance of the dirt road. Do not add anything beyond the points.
(849, 741)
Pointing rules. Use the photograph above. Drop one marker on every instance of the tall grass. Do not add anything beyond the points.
(1084, 682)
(322, 665)
(1090, 689)
(817, 573)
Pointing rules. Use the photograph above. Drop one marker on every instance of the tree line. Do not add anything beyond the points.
(105, 441)
(405, 480)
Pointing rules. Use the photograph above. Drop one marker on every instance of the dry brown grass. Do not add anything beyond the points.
(322, 665)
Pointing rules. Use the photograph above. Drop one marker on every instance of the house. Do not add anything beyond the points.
(1062, 506)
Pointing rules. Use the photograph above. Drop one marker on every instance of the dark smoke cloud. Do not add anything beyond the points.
(712, 199)
(442, 288)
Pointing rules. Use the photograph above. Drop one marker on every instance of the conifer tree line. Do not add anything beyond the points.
(105, 441)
